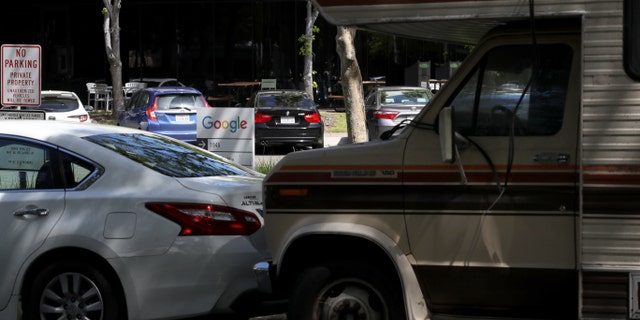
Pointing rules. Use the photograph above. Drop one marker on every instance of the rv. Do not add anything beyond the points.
(514, 194)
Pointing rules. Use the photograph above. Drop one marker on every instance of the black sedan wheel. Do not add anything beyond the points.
(71, 290)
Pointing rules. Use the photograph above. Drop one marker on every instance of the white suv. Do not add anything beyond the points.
(59, 105)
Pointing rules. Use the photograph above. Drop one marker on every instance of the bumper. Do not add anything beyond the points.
(262, 272)
(197, 275)
(313, 135)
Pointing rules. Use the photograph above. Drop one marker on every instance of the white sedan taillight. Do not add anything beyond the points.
(207, 219)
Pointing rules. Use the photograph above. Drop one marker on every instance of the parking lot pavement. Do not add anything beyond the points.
(334, 138)
(331, 139)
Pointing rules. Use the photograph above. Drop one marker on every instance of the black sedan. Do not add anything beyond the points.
(286, 118)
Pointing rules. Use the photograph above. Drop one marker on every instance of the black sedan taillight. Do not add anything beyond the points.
(313, 117)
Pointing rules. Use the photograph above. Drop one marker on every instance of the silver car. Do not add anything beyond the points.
(389, 106)
(105, 222)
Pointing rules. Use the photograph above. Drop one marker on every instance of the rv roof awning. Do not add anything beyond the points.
(455, 31)
(462, 21)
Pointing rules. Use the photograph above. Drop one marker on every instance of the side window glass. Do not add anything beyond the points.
(134, 100)
(75, 170)
(25, 166)
(370, 103)
(29, 166)
(496, 95)
(139, 100)
(632, 38)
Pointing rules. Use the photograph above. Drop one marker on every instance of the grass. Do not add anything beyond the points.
(334, 121)
(264, 166)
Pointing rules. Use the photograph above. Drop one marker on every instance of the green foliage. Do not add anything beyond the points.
(315, 84)
(265, 166)
(305, 48)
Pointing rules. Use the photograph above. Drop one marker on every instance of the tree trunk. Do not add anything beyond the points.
(307, 76)
(351, 85)
(111, 29)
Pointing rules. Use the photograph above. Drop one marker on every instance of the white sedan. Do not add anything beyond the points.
(105, 222)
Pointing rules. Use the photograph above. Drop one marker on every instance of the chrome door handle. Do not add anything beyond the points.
(560, 159)
(32, 211)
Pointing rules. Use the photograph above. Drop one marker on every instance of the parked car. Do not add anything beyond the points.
(105, 222)
(388, 106)
(159, 82)
(171, 111)
(59, 105)
(286, 117)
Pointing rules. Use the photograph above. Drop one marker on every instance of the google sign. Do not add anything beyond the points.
(229, 132)
(233, 125)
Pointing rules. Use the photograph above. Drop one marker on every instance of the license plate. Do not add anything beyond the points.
(21, 115)
(182, 118)
(288, 120)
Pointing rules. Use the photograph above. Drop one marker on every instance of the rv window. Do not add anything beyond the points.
(490, 99)
(632, 38)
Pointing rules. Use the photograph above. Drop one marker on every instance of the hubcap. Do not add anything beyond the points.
(71, 296)
(352, 300)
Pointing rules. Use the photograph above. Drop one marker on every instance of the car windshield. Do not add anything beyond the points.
(180, 101)
(285, 100)
(169, 157)
(405, 97)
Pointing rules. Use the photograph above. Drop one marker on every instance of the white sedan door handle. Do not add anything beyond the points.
(31, 211)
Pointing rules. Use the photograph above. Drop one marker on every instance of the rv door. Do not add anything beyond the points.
(501, 238)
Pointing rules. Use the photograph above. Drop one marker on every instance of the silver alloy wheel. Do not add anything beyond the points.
(71, 295)
(350, 299)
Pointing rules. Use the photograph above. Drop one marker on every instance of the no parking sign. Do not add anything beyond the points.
(21, 74)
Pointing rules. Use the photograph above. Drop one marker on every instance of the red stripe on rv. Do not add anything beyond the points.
(613, 175)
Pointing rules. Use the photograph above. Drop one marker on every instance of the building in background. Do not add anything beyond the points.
(200, 42)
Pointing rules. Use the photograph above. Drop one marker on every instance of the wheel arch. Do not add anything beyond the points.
(70, 253)
(314, 244)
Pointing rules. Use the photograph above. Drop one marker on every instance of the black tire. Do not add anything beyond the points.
(71, 290)
(345, 290)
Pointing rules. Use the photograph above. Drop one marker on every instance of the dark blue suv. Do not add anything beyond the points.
(171, 111)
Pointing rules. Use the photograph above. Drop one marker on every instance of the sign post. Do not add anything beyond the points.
(21, 74)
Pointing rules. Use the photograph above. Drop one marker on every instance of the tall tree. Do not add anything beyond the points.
(307, 47)
(111, 30)
(351, 78)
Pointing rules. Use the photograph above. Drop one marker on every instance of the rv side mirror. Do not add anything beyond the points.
(445, 130)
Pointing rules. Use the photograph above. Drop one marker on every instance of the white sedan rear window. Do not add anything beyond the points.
(169, 157)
